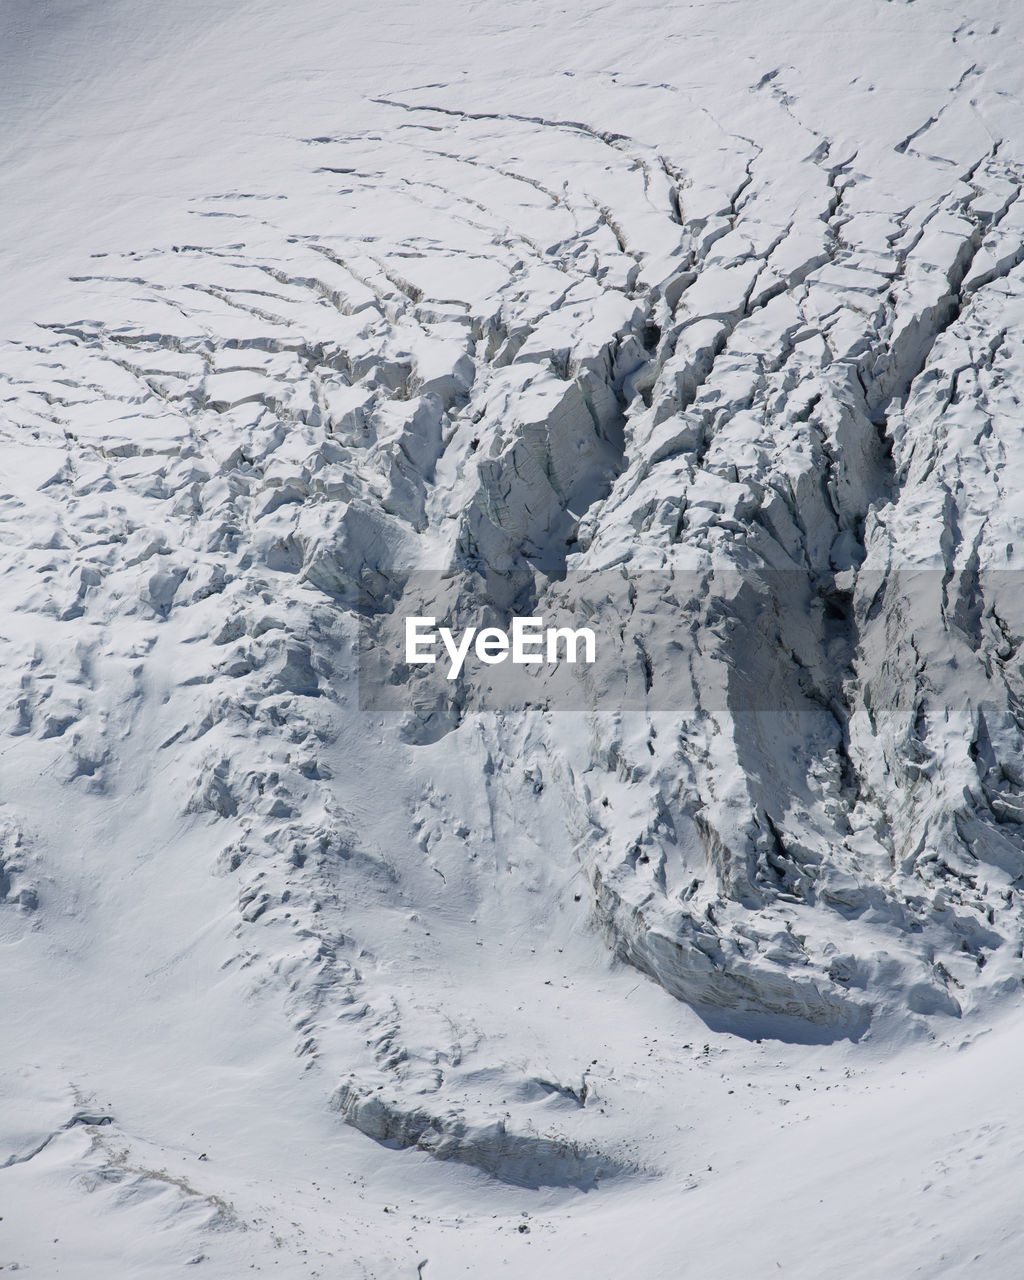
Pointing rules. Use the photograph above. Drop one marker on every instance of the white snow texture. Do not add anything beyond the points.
(698, 324)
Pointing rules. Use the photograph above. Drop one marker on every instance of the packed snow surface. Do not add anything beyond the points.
(699, 324)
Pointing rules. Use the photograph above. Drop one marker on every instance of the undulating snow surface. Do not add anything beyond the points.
(700, 323)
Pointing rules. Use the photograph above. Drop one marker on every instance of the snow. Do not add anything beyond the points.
(698, 325)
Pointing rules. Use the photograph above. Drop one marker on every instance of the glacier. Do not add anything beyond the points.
(697, 325)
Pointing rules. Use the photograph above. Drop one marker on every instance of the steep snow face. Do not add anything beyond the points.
(639, 318)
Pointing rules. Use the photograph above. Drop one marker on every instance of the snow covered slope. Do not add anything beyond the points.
(701, 323)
